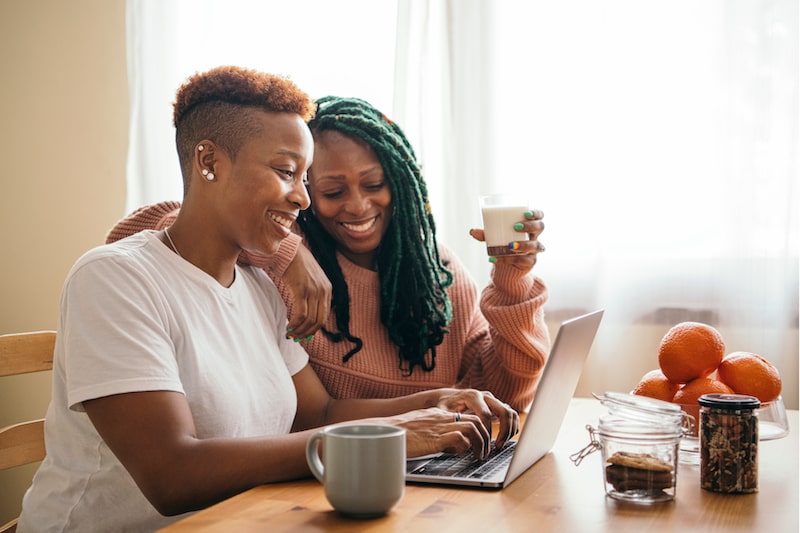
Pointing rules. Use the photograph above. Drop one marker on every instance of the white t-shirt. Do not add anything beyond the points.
(136, 317)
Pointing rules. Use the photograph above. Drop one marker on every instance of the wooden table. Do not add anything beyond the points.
(553, 495)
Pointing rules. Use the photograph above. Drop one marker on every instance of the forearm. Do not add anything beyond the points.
(154, 437)
(201, 472)
(354, 409)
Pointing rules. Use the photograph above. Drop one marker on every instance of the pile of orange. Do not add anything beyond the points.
(692, 362)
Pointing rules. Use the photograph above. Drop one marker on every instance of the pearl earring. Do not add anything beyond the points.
(200, 148)
(209, 175)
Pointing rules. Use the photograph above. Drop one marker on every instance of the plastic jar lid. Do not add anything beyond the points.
(729, 402)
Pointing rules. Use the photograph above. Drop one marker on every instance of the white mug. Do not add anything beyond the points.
(363, 467)
(500, 212)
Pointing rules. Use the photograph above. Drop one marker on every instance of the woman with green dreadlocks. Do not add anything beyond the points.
(405, 314)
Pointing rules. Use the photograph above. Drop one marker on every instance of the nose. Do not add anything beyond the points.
(299, 195)
(357, 203)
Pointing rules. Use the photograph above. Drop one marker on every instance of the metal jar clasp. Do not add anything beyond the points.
(587, 450)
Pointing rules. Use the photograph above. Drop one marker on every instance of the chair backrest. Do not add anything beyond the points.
(23, 443)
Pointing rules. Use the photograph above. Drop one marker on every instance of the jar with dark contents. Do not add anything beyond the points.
(729, 443)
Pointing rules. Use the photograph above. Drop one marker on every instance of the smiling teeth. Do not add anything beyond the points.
(285, 222)
(359, 227)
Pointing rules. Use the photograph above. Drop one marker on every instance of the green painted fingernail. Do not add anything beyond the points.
(493, 260)
(518, 226)
(528, 214)
(309, 338)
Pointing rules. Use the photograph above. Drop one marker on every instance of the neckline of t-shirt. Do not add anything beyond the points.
(192, 271)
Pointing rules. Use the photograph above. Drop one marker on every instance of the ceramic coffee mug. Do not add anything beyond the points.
(500, 212)
(363, 467)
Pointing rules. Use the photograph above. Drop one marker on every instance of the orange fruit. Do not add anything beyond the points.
(688, 395)
(690, 350)
(655, 384)
(751, 374)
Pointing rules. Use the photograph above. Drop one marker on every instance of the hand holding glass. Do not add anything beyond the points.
(500, 212)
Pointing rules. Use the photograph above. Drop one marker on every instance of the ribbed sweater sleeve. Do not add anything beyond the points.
(508, 341)
(155, 216)
(274, 265)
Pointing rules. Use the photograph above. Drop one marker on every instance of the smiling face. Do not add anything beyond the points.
(262, 189)
(350, 195)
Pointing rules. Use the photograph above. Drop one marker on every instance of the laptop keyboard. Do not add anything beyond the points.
(466, 466)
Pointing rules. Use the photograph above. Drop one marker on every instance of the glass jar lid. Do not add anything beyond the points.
(640, 408)
(729, 402)
(633, 415)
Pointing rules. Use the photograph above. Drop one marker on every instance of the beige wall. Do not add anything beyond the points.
(63, 144)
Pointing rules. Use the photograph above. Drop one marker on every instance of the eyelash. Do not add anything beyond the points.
(373, 188)
(288, 173)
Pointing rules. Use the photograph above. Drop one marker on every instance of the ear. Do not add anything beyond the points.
(205, 159)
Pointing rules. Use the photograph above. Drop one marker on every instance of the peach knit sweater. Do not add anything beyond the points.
(498, 342)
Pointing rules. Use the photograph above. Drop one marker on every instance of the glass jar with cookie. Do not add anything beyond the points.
(639, 439)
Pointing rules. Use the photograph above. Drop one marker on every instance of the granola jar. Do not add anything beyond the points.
(729, 443)
(639, 439)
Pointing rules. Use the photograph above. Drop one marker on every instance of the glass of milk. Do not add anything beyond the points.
(500, 213)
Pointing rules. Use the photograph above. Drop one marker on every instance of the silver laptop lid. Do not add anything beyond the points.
(556, 388)
(560, 376)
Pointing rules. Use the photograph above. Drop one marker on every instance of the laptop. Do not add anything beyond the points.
(556, 387)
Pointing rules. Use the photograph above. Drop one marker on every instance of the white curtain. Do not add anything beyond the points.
(660, 138)
(344, 47)
(444, 100)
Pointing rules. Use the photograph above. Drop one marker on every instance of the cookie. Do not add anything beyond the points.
(642, 461)
(628, 478)
(638, 471)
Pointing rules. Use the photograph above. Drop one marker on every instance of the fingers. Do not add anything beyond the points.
(533, 226)
(308, 316)
(478, 433)
(508, 421)
(479, 408)
(438, 430)
(466, 432)
(493, 409)
(309, 313)
(523, 252)
(303, 323)
(469, 400)
(459, 428)
(471, 433)
(311, 295)
(477, 234)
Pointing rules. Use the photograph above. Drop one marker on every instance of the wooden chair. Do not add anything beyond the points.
(23, 443)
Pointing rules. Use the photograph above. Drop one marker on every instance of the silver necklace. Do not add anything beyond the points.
(166, 232)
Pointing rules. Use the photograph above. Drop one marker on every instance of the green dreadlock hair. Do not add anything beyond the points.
(415, 307)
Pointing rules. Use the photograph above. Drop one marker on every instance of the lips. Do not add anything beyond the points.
(360, 227)
(283, 221)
